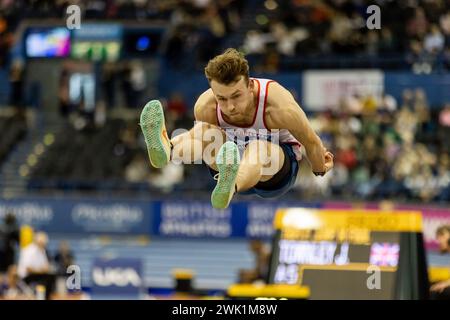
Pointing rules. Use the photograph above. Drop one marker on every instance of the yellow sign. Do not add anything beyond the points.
(348, 219)
(268, 290)
(356, 236)
(437, 274)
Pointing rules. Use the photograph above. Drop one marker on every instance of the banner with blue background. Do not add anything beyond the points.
(190, 219)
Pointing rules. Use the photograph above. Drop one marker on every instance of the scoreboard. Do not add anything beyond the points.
(96, 50)
(97, 42)
(350, 254)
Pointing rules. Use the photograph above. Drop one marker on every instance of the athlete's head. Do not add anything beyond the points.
(443, 238)
(228, 76)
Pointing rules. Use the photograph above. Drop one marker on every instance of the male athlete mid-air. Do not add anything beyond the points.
(248, 131)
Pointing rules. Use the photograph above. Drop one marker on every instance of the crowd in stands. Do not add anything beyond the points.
(13, 129)
(384, 149)
(107, 9)
(417, 32)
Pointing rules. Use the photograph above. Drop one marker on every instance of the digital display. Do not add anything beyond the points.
(334, 252)
(292, 254)
(96, 50)
(47, 43)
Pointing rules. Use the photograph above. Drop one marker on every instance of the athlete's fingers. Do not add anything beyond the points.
(329, 155)
(329, 163)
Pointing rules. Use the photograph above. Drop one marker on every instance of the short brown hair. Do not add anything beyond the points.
(442, 230)
(227, 67)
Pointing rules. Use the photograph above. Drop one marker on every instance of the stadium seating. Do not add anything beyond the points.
(13, 129)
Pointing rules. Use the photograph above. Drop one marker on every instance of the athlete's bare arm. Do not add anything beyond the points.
(204, 111)
(283, 112)
(205, 108)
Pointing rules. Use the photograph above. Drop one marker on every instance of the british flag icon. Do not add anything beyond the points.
(384, 254)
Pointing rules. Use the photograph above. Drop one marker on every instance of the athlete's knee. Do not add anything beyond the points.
(207, 132)
(256, 150)
(251, 170)
(262, 151)
(187, 151)
(275, 161)
(257, 144)
(268, 155)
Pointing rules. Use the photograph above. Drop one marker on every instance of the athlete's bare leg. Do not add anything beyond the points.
(202, 142)
(260, 162)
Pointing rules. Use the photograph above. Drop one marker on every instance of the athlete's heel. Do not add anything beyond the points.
(153, 127)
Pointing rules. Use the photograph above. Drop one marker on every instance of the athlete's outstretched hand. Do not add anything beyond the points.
(328, 160)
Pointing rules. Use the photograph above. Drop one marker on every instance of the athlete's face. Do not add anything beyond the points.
(234, 98)
(443, 240)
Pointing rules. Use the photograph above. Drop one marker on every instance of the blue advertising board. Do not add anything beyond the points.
(193, 219)
(81, 216)
(183, 219)
(117, 276)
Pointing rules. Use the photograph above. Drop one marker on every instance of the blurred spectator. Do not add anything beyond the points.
(133, 83)
(33, 258)
(261, 256)
(177, 110)
(63, 258)
(138, 169)
(34, 265)
(388, 103)
(16, 80)
(255, 42)
(65, 106)
(417, 24)
(444, 116)
(138, 82)
(109, 77)
(270, 62)
(177, 105)
(9, 239)
(443, 238)
(168, 177)
(5, 40)
(441, 290)
(13, 288)
(434, 40)
(100, 115)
